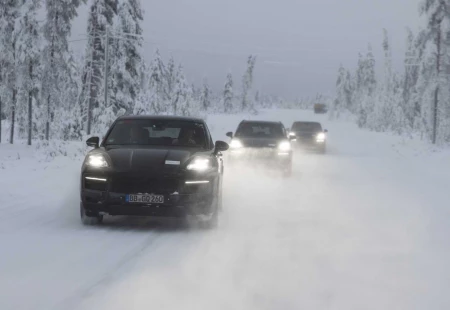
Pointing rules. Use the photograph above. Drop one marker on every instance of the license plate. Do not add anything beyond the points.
(145, 198)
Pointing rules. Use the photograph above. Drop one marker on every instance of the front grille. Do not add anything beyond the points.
(95, 185)
(144, 184)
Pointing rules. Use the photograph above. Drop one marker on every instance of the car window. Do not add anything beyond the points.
(158, 132)
(262, 130)
(306, 126)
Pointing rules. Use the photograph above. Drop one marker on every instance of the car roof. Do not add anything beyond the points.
(306, 122)
(161, 117)
(261, 122)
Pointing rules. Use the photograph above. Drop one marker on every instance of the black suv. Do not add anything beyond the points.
(153, 166)
(263, 142)
(309, 135)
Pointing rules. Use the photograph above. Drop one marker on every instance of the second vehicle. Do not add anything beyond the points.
(261, 142)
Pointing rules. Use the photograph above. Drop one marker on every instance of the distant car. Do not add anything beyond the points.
(153, 166)
(320, 108)
(309, 135)
(257, 142)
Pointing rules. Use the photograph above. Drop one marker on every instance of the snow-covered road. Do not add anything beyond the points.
(363, 227)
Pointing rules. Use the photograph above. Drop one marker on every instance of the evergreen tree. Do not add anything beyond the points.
(28, 56)
(101, 16)
(57, 30)
(158, 84)
(247, 82)
(9, 12)
(228, 94)
(205, 97)
(344, 93)
(126, 69)
(436, 36)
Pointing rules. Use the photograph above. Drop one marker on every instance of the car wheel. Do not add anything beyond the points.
(89, 219)
(213, 221)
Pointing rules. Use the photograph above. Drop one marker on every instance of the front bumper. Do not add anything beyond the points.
(269, 158)
(180, 199)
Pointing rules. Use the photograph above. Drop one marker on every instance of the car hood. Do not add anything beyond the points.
(306, 133)
(151, 160)
(259, 142)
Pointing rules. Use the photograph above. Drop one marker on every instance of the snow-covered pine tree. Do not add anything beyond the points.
(247, 82)
(57, 30)
(228, 94)
(28, 58)
(436, 36)
(344, 93)
(366, 79)
(183, 93)
(411, 76)
(9, 11)
(158, 85)
(126, 71)
(206, 96)
(101, 16)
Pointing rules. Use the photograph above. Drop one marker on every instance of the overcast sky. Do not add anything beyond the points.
(299, 43)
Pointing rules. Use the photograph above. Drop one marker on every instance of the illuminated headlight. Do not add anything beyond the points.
(284, 146)
(320, 137)
(199, 164)
(292, 134)
(97, 161)
(236, 144)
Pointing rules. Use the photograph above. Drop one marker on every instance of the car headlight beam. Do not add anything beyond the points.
(284, 146)
(199, 164)
(321, 137)
(236, 144)
(97, 161)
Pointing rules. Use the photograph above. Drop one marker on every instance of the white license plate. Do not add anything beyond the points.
(145, 198)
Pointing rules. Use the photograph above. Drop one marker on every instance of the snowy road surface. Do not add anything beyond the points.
(363, 227)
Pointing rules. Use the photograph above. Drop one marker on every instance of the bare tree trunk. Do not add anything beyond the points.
(13, 116)
(436, 94)
(0, 119)
(47, 123)
(30, 108)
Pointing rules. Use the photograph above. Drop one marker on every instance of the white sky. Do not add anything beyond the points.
(299, 43)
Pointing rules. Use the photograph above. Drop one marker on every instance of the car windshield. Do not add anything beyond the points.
(306, 126)
(158, 132)
(260, 130)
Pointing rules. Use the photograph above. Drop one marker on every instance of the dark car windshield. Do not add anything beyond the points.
(158, 132)
(306, 126)
(260, 130)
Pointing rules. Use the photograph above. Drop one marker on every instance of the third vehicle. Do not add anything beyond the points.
(309, 135)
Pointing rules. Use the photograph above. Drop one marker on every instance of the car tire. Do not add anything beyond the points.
(213, 221)
(89, 220)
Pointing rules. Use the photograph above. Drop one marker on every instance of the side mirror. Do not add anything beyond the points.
(93, 142)
(220, 146)
(326, 130)
(230, 134)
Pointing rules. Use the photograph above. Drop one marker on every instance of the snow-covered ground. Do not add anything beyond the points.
(365, 226)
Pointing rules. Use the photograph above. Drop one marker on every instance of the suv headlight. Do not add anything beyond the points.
(96, 161)
(236, 144)
(320, 137)
(199, 164)
(284, 146)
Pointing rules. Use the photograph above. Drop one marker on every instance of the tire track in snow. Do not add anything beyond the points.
(76, 298)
